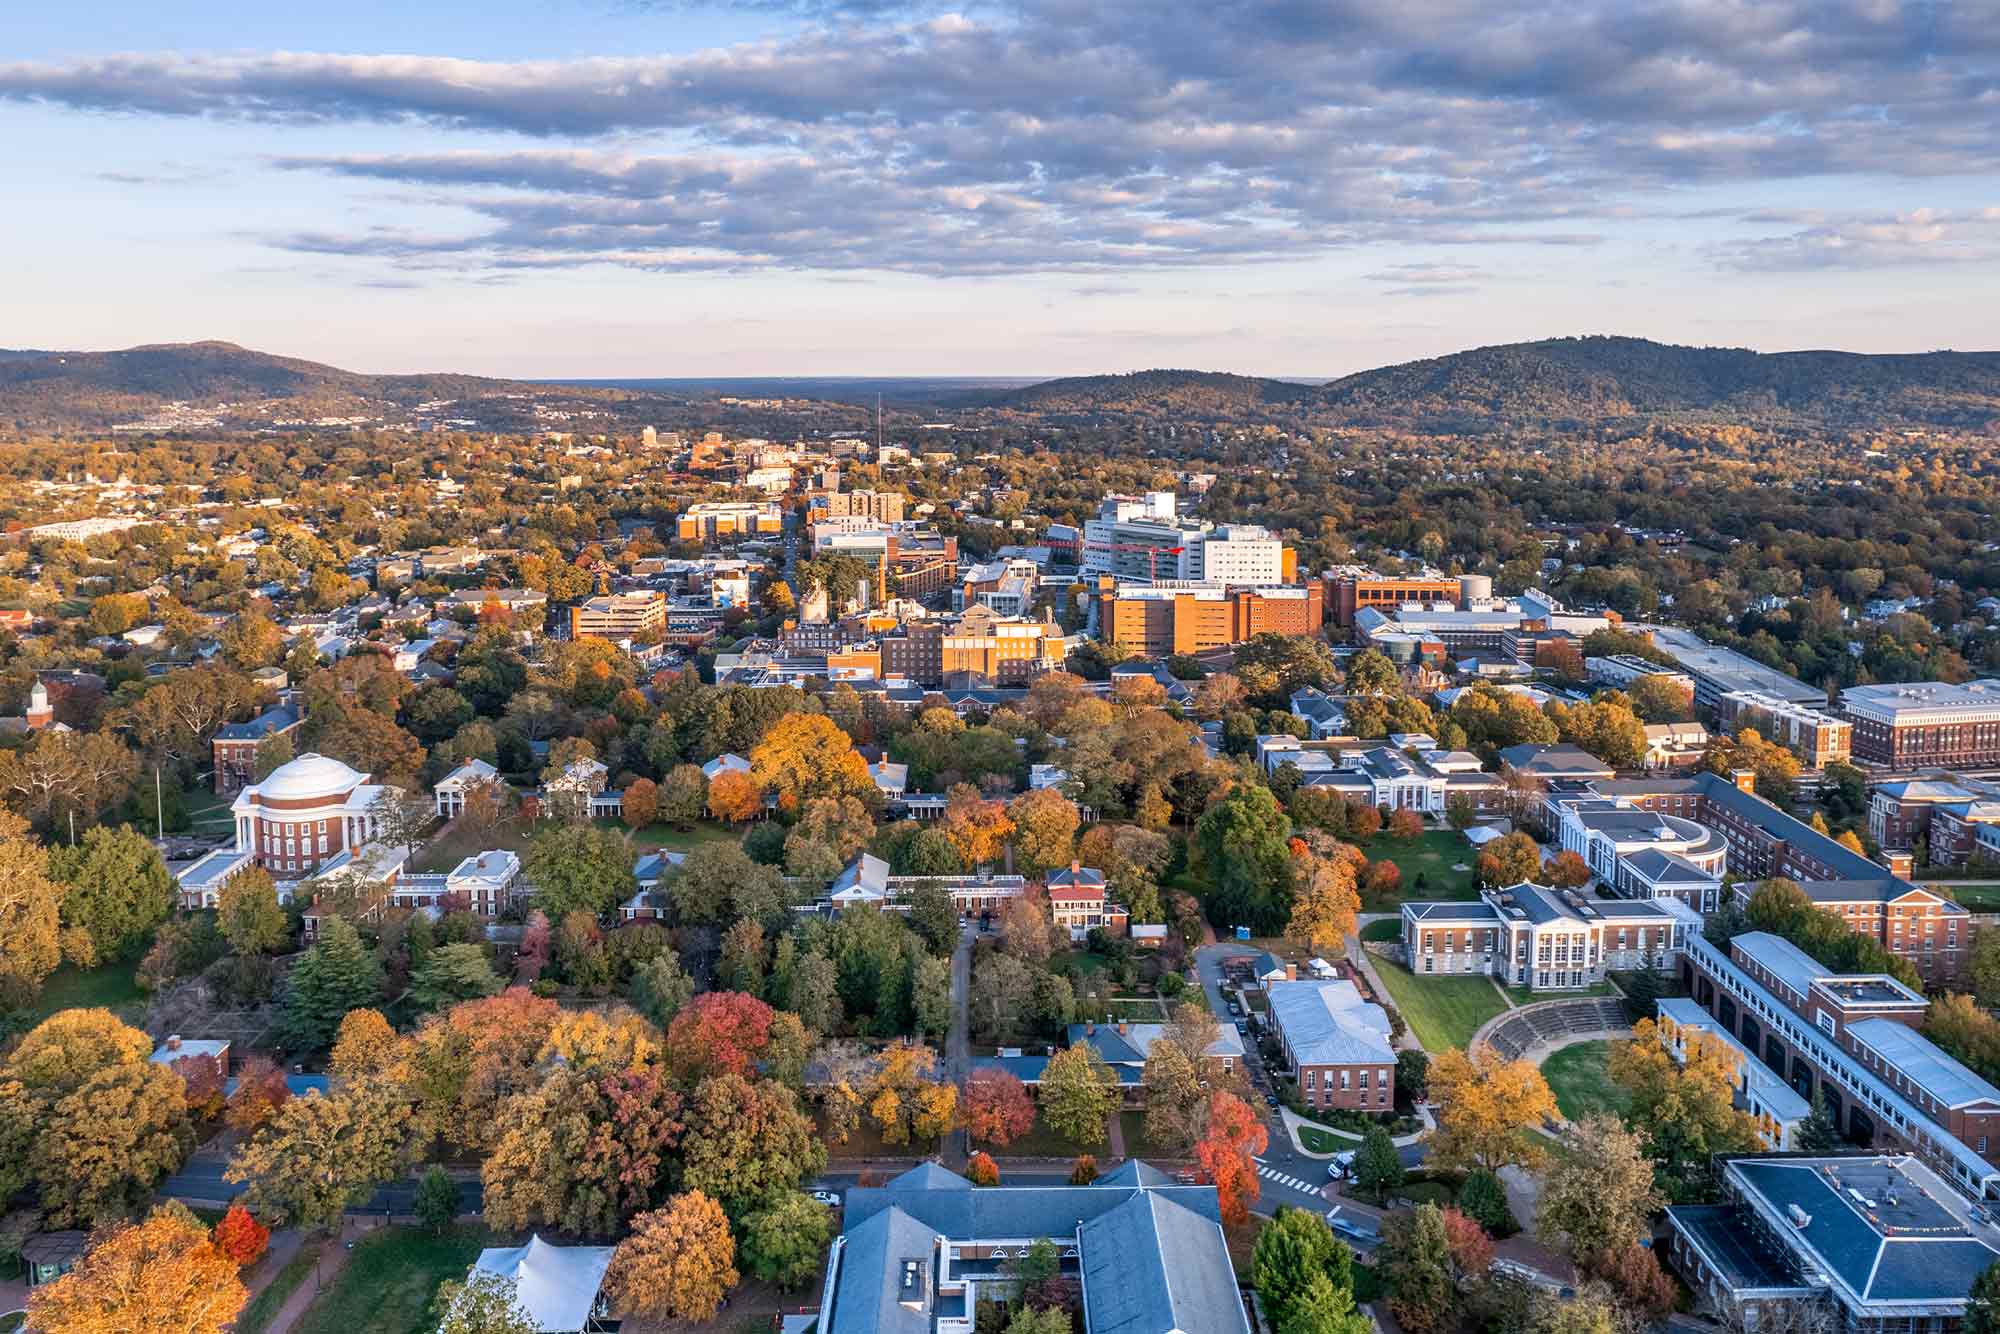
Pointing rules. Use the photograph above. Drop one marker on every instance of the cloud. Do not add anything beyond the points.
(1923, 237)
(1089, 136)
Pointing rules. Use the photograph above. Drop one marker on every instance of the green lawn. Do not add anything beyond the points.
(459, 841)
(1982, 897)
(678, 840)
(1577, 1077)
(1080, 961)
(1426, 1192)
(1430, 856)
(1389, 929)
(207, 812)
(1133, 1126)
(1523, 996)
(1135, 1011)
(390, 1280)
(1327, 1141)
(1442, 1011)
(257, 1315)
(1042, 1142)
(110, 986)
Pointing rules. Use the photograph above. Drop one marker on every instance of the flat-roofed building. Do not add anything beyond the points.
(1640, 854)
(1718, 671)
(638, 615)
(1167, 618)
(1927, 722)
(881, 506)
(1545, 939)
(711, 520)
(1815, 736)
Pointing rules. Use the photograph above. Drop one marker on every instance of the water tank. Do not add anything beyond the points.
(1474, 588)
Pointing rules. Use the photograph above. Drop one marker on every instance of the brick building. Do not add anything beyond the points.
(234, 746)
(1925, 723)
(978, 644)
(1545, 939)
(1163, 619)
(1346, 593)
(1815, 736)
(620, 616)
(1336, 1045)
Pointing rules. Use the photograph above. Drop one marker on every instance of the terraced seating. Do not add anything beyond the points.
(1554, 1020)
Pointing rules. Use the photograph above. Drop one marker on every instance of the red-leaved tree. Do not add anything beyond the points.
(997, 1108)
(981, 1170)
(718, 1032)
(1228, 1154)
(241, 1237)
(1471, 1249)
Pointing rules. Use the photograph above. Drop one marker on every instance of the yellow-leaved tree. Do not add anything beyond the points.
(1487, 1110)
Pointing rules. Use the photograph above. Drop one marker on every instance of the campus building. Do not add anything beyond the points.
(1384, 776)
(1852, 1040)
(1349, 590)
(1175, 617)
(881, 506)
(1873, 1245)
(1545, 939)
(1142, 540)
(1815, 736)
(1641, 854)
(641, 615)
(1148, 1256)
(712, 520)
(1926, 723)
(980, 645)
(234, 746)
(1778, 1108)
(1336, 1044)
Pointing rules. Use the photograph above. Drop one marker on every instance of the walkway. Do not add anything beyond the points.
(1293, 1122)
(333, 1252)
(955, 1151)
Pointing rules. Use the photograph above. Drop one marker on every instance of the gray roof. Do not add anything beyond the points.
(1152, 1266)
(1923, 1062)
(1668, 868)
(264, 724)
(1745, 1262)
(1781, 958)
(1558, 760)
(1453, 911)
(1327, 1023)
(867, 1289)
(1913, 1249)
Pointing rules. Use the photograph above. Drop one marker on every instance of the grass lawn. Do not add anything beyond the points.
(208, 813)
(459, 841)
(672, 839)
(1426, 1192)
(1577, 1077)
(1327, 1141)
(1431, 856)
(390, 1280)
(1133, 1126)
(1042, 1142)
(1981, 897)
(265, 1304)
(1386, 930)
(1080, 961)
(110, 986)
(1442, 1011)
(1134, 1011)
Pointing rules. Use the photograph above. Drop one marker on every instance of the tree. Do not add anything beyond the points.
(1416, 1257)
(1040, 1320)
(807, 755)
(981, 1170)
(718, 882)
(249, 914)
(1045, 825)
(976, 828)
(785, 1242)
(1079, 1093)
(1634, 1275)
(322, 1154)
(1569, 870)
(660, 987)
(1487, 1107)
(1406, 824)
(998, 1109)
(642, 803)
(734, 796)
(1371, 673)
(1326, 902)
(1509, 860)
(1818, 1133)
(1227, 1154)
(106, 1146)
(241, 1237)
(579, 866)
(30, 919)
(1471, 1248)
(436, 1203)
(1027, 929)
(682, 796)
(162, 1276)
(1413, 1073)
(116, 890)
(1983, 968)
(1483, 1199)
(718, 1032)
(485, 1303)
(1241, 847)
(1295, 1252)
(1686, 1107)
(1982, 1303)
(1084, 1170)
(336, 975)
(1001, 990)
(260, 1090)
(585, 1148)
(366, 1045)
(745, 1142)
(453, 973)
(1378, 1168)
(1600, 1195)
(677, 1264)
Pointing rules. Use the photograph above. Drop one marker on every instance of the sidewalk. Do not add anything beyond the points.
(1293, 1121)
(1357, 952)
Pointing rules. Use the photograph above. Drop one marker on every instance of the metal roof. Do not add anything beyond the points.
(1915, 1057)
(1327, 1023)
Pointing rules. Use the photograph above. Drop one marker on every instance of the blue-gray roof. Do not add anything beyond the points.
(1327, 1023)
(1923, 1062)
(1152, 1266)
(264, 724)
(1781, 958)
(1877, 1226)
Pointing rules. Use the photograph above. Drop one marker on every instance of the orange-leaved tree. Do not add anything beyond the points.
(678, 1262)
(241, 1237)
(1228, 1154)
(162, 1276)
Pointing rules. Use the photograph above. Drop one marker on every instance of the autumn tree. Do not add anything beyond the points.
(718, 1032)
(1416, 1258)
(484, 1303)
(734, 797)
(241, 1237)
(785, 1241)
(30, 920)
(981, 1170)
(1325, 903)
(1227, 1154)
(1079, 1093)
(1509, 860)
(977, 828)
(365, 1045)
(1471, 1247)
(998, 1109)
(1406, 824)
(1568, 870)
(162, 1276)
(806, 755)
(579, 866)
(642, 803)
(1083, 1170)
(1178, 1075)
(1687, 1107)
(1045, 825)
(583, 1150)
(678, 1263)
(260, 1090)
(1599, 1196)
(745, 1142)
(1487, 1109)
(682, 796)
(322, 1154)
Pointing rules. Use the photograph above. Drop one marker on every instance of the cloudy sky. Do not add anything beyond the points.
(1302, 187)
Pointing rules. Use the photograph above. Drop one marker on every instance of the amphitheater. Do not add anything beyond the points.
(1556, 1023)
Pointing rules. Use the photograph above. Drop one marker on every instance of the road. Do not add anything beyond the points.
(202, 1180)
(958, 1041)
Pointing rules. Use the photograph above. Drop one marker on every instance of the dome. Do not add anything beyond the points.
(307, 777)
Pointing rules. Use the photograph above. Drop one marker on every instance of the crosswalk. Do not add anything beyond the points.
(1270, 1173)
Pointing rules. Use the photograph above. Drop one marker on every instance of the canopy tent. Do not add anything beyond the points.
(556, 1285)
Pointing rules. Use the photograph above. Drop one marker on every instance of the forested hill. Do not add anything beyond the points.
(1594, 379)
(95, 390)
(1191, 394)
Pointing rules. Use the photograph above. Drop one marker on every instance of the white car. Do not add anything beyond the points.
(829, 1198)
(1342, 1164)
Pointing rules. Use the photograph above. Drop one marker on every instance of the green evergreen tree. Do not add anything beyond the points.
(1482, 1199)
(117, 890)
(1377, 1168)
(1417, 1261)
(1301, 1269)
(1817, 1133)
(1982, 1304)
(436, 1203)
(453, 973)
(336, 975)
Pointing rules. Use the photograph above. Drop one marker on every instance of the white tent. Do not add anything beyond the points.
(556, 1285)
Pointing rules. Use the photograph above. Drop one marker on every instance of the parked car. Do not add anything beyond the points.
(829, 1198)
(1341, 1165)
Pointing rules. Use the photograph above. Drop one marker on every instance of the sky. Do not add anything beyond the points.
(619, 188)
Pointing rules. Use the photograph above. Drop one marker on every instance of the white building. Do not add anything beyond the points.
(1641, 854)
(451, 790)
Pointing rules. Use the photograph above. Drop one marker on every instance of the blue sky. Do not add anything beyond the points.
(1304, 187)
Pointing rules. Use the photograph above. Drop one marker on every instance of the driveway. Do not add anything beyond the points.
(958, 1040)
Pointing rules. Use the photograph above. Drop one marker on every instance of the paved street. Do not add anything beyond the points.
(958, 1041)
(201, 1181)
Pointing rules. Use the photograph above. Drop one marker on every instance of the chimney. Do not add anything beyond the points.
(1075, 869)
(174, 1042)
(1090, 1030)
(1745, 779)
(1121, 1028)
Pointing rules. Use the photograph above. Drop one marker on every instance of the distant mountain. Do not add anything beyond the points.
(1193, 394)
(1595, 379)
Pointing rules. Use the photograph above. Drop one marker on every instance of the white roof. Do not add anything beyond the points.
(1327, 1023)
(727, 762)
(556, 1285)
(308, 776)
(472, 771)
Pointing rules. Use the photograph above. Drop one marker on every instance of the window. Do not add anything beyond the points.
(1364, 1079)
(1343, 1079)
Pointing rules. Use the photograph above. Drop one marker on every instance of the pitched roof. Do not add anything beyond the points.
(556, 1285)
(1327, 1023)
(1151, 1266)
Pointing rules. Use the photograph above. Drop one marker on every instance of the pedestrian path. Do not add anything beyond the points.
(1285, 1179)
